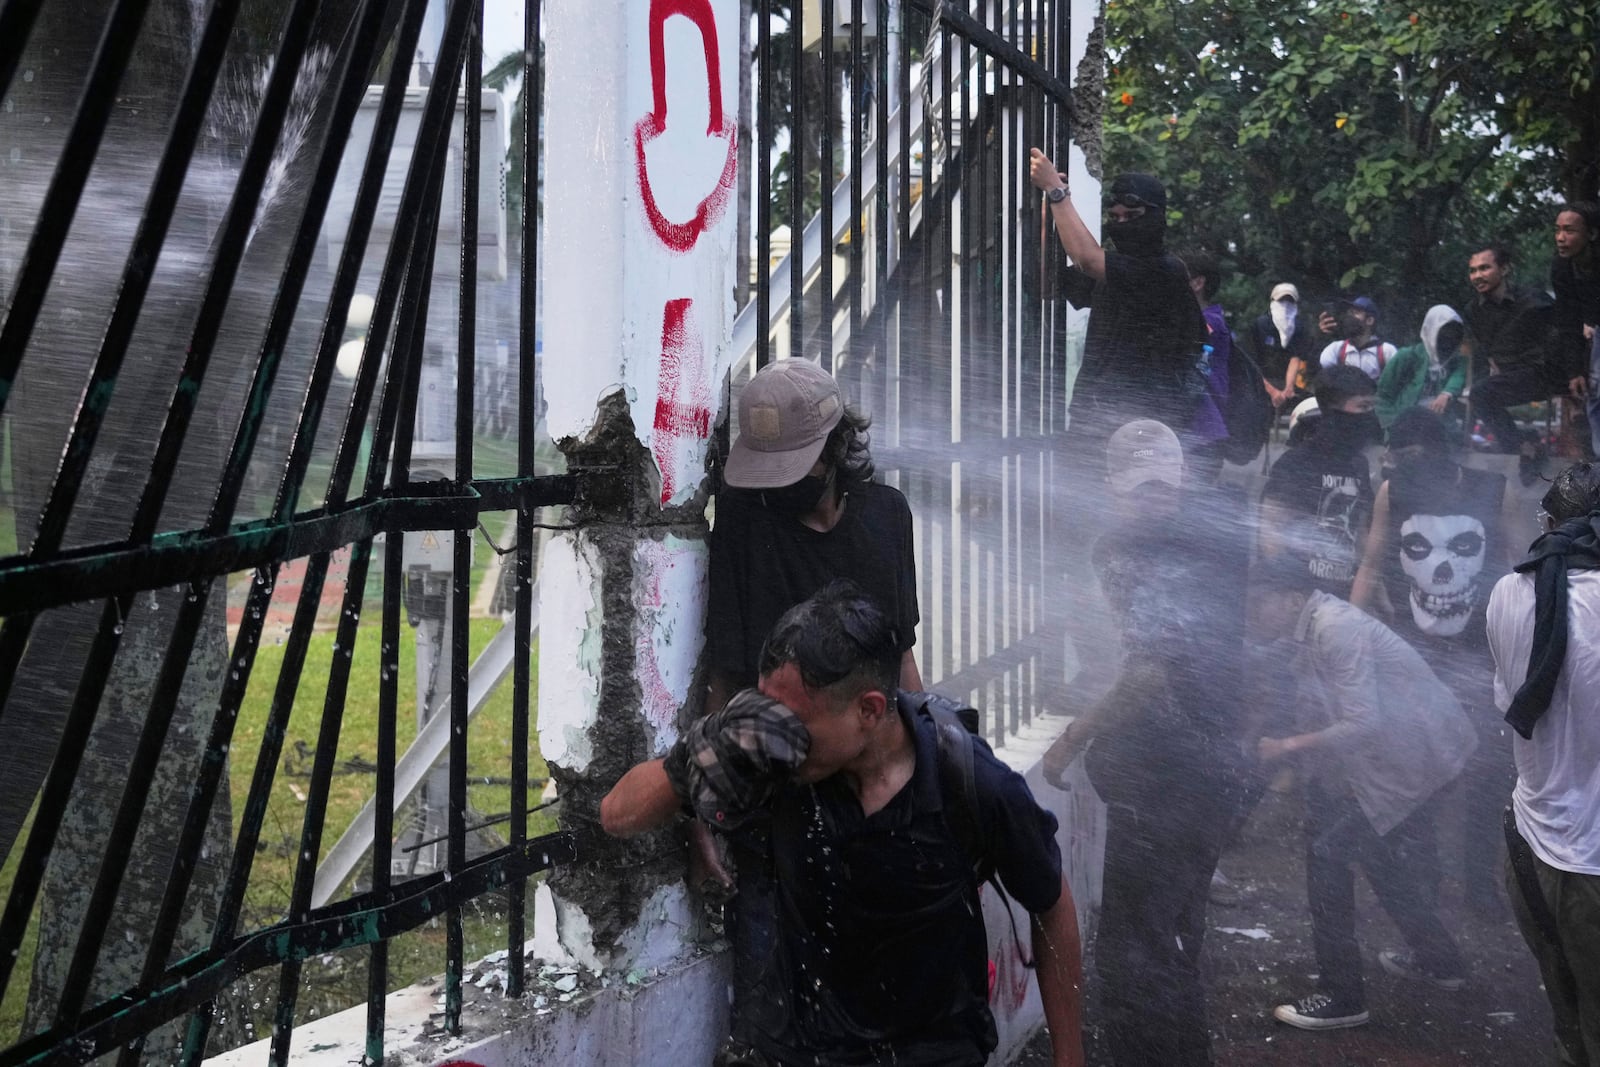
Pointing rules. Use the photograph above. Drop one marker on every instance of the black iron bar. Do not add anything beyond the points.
(422, 188)
(797, 177)
(1001, 51)
(16, 22)
(461, 574)
(764, 186)
(140, 268)
(827, 174)
(884, 304)
(410, 340)
(527, 404)
(66, 185)
(383, 789)
(349, 924)
(857, 124)
(102, 571)
(355, 75)
(947, 182)
(255, 808)
(92, 682)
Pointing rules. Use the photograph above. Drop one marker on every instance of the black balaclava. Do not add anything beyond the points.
(1144, 235)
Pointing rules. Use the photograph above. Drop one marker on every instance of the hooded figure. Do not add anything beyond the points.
(1429, 372)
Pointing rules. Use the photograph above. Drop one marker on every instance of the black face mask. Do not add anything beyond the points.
(1345, 431)
(800, 498)
(1138, 237)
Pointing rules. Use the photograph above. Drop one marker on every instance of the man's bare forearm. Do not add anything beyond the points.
(1058, 958)
(642, 799)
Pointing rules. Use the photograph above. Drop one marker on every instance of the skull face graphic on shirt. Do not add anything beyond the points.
(1442, 556)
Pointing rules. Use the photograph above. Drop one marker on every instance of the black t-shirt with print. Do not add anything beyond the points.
(763, 563)
(1329, 495)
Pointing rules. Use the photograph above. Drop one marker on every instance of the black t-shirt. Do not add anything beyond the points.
(1329, 495)
(880, 951)
(764, 563)
(1144, 332)
(1512, 332)
(1444, 557)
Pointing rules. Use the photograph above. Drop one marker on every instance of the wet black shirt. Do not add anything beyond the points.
(1329, 496)
(1145, 330)
(881, 953)
(763, 563)
(1512, 332)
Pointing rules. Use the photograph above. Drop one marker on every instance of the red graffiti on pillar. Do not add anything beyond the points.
(681, 236)
(683, 402)
(460, 1063)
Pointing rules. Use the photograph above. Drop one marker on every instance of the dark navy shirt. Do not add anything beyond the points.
(880, 949)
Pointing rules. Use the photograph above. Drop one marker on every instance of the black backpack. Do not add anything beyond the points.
(1249, 416)
(955, 725)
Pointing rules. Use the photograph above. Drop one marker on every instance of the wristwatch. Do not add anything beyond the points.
(1056, 195)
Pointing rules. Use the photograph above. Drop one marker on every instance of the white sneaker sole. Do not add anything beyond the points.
(1285, 1013)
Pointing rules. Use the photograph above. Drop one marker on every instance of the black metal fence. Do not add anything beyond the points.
(114, 599)
(937, 326)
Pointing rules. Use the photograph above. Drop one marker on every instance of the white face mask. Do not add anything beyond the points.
(1442, 556)
(1283, 312)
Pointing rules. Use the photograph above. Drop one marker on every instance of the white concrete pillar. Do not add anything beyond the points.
(638, 269)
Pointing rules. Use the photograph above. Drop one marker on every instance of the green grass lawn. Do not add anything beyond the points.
(339, 981)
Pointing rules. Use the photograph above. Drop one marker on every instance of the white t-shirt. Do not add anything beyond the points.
(1557, 798)
(1370, 360)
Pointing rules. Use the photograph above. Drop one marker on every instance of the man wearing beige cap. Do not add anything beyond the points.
(799, 509)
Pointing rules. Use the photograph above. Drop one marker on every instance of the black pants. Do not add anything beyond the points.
(1402, 867)
(1521, 384)
(1158, 865)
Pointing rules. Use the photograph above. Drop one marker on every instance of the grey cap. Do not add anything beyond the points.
(1143, 451)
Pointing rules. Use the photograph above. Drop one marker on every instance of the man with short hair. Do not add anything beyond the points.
(1142, 346)
(1511, 327)
(1284, 343)
(1360, 346)
(1544, 630)
(879, 952)
(1387, 737)
(1318, 498)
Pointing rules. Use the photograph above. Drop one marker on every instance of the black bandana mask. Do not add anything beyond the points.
(1142, 236)
(1347, 432)
(797, 499)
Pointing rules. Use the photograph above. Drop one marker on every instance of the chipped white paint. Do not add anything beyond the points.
(669, 592)
(569, 650)
(666, 921)
(639, 228)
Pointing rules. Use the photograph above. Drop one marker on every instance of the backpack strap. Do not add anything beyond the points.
(1344, 349)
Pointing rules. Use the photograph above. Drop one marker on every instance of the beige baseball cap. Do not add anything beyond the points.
(785, 416)
(1284, 289)
(1143, 451)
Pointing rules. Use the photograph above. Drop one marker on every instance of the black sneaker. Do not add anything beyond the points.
(1403, 966)
(1320, 1012)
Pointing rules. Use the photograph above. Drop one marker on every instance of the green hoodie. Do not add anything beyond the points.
(1405, 376)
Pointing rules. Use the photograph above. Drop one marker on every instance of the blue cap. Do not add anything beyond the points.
(1364, 303)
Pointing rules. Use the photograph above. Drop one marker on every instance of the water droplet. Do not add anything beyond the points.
(27, 75)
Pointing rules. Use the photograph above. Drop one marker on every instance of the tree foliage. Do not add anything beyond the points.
(1359, 144)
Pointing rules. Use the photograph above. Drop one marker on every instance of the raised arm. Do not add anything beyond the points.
(1364, 593)
(1086, 253)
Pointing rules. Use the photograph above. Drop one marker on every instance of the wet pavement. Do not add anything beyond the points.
(1500, 1019)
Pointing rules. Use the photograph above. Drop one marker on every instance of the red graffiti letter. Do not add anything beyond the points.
(683, 406)
(681, 236)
